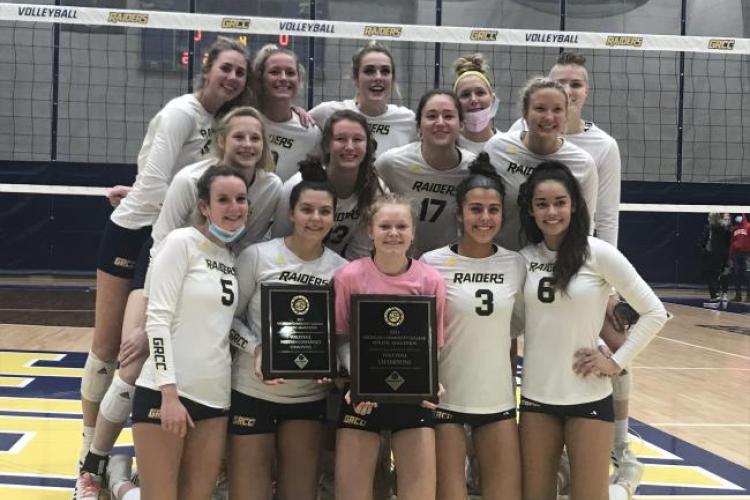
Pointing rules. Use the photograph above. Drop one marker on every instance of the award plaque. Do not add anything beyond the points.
(394, 348)
(297, 327)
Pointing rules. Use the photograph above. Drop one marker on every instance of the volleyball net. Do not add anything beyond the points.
(78, 86)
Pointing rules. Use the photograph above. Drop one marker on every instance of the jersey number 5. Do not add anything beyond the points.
(227, 294)
(546, 291)
(488, 305)
(426, 203)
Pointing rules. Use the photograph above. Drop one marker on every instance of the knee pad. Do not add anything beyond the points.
(621, 386)
(118, 402)
(97, 375)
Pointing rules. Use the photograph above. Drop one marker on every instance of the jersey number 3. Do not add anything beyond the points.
(227, 293)
(487, 306)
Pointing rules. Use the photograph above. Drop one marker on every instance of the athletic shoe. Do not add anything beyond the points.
(563, 474)
(628, 470)
(88, 487)
(724, 301)
(119, 470)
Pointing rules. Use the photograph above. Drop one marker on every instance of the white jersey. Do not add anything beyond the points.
(272, 262)
(558, 324)
(191, 304)
(515, 163)
(181, 204)
(482, 297)
(606, 153)
(179, 134)
(474, 147)
(291, 143)
(405, 171)
(348, 237)
(395, 127)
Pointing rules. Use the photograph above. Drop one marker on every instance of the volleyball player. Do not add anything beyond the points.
(474, 89)
(570, 71)
(389, 270)
(428, 171)
(484, 285)
(277, 75)
(516, 154)
(348, 155)
(182, 396)
(566, 399)
(240, 143)
(280, 418)
(180, 134)
(374, 76)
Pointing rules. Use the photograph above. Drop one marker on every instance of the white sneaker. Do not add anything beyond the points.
(88, 487)
(119, 469)
(628, 470)
(563, 474)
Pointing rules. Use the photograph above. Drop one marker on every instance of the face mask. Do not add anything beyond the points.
(224, 235)
(476, 121)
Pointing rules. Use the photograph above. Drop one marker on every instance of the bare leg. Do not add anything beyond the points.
(201, 459)
(450, 444)
(541, 447)
(588, 442)
(250, 466)
(356, 457)
(414, 453)
(499, 454)
(158, 454)
(299, 444)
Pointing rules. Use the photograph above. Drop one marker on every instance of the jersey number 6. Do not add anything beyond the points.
(546, 291)
(227, 294)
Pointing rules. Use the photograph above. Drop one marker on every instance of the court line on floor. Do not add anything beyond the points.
(704, 348)
(643, 367)
(701, 424)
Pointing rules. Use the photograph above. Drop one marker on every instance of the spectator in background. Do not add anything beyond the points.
(739, 253)
(715, 255)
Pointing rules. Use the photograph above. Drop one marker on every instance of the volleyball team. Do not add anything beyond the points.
(514, 234)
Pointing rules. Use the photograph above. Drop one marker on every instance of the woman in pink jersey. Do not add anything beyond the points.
(390, 224)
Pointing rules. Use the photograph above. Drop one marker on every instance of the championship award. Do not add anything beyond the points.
(394, 348)
(297, 328)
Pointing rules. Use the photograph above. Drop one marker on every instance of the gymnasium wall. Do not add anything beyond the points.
(111, 81)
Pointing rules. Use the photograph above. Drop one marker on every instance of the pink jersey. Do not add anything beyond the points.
(361, 276)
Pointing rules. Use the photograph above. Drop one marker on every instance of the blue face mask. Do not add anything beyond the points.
(224, 235)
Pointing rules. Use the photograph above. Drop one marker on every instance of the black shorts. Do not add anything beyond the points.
(249, 415)
(119, 249)
(141, 265)
(473, 420)
(595, 410)
(386, 417)
(147, 407)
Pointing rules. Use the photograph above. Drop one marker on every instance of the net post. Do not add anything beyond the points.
(681, 94)
(438, 46)
(55, 88)
(311, 60)
(191, 50)
(563, 11)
